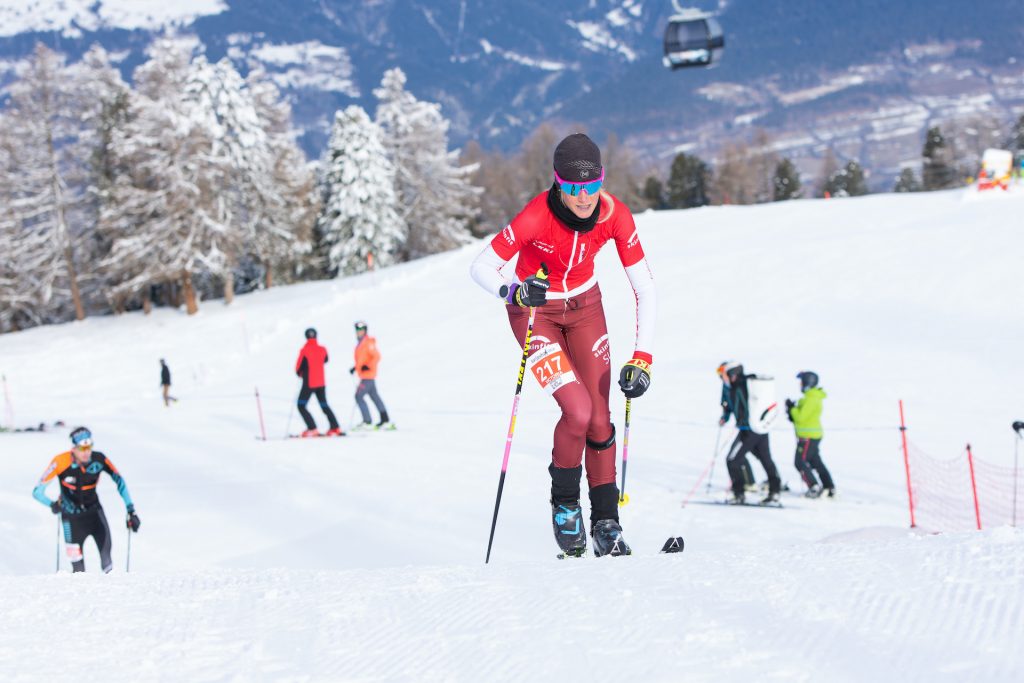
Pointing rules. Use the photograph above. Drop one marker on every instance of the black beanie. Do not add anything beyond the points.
(577, 159)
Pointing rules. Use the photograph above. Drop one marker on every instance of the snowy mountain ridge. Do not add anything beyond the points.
(814, 78)
(73, 18)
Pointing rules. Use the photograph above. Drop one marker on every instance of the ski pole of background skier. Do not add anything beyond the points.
(352, 413)
(128, 557)
(291, 411)
(714, 457)
(259, 409)
(1018, 427)
(623, 498)
(8, 406)
(543, 274)
(58, 543)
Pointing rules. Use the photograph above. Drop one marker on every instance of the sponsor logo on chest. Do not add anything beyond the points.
(543, 246)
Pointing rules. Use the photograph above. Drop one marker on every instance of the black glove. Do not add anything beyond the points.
(352, 370)
(789, 404)
(1018, 427)
(365, 368)
(533, 292)
(635, 377)
(55, 507)
(133, 522)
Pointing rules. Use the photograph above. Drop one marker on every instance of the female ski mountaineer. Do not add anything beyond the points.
(562, 230)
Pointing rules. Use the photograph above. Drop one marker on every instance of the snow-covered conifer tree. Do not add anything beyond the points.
(24, 248)
(359, 216)
(101, 98)
(435, 196)
(43, 129)
(187, 154)
(237, 161)
(282, 205)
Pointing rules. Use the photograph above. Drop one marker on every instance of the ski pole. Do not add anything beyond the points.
(259, 409)
(542, 273)
(623, 498)
(58, 543)
(288, 426)
(714, 458)
(8, 406)
(128, 557)
(1016, 448)
(352, 413)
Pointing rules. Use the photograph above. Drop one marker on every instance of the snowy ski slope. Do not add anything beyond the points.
(362, 558)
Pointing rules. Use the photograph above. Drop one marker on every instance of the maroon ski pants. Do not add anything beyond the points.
(578, 326)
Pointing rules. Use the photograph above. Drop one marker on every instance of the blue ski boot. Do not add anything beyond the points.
(567, 519)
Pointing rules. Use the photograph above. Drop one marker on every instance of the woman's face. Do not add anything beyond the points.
(582, 205)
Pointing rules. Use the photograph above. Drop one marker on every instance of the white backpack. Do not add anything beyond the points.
(761, 401)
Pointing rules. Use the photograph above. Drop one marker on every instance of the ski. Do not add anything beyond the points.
(777, 506)
(372, 430)
(567, 556)
(673, 545)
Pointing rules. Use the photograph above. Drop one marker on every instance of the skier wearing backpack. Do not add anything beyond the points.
(310, 367)
(562, 229)
(805, 415)
(749, 483)
(752, 436)
(78, 471)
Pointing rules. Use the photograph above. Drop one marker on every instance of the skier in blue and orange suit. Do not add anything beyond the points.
(564, 228)
(310, 367)
(78, 472)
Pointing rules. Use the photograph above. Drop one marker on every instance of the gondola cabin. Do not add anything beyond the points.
(693, 41)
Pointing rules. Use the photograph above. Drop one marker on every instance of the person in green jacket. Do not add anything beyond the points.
(805, 415)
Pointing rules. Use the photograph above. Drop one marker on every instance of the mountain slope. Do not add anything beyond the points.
(362, 558)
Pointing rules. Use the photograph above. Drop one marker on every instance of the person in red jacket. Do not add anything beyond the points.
(366, 358)
(562, 230)
(310, 367)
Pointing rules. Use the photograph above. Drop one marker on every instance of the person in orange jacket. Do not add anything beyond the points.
(366, 358)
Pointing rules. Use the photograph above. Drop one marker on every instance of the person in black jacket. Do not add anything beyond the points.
(165, 382)
(749, 483)
(747, 440)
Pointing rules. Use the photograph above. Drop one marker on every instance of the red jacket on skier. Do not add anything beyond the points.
(562, 230)
(310, 364)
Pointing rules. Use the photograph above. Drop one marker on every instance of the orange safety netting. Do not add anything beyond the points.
(944, 498)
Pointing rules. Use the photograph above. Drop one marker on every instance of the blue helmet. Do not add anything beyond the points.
(808, 379)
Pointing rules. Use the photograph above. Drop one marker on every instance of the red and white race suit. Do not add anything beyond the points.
(569, 352)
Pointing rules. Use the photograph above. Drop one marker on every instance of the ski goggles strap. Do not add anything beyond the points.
(573, 189)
